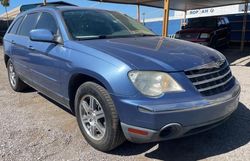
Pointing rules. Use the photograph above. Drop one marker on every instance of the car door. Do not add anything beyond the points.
(46, 63)
(221, 32)
(20, 45)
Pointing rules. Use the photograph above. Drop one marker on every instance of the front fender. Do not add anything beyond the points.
(113, 77)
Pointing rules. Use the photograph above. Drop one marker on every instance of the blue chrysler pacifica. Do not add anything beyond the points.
(119, 79)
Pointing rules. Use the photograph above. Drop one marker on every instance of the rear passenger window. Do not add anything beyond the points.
(48, 22)
(15, 26)
(28, 24)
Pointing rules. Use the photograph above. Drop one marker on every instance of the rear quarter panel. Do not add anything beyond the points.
(7, 45)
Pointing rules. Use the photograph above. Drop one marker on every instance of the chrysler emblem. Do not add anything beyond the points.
(214, 64)
(217, 64)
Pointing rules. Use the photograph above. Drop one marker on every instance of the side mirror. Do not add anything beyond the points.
(42, 35)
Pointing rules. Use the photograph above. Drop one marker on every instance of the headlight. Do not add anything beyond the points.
(204, 36)
(177, 36)
(152, 83)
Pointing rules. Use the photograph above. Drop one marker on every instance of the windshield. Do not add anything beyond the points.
(202, 23)
(91, 24)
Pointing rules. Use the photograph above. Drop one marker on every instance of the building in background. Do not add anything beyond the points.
(11, 14)
(234, 14)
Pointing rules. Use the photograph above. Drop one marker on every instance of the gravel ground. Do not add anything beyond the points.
(34, 128)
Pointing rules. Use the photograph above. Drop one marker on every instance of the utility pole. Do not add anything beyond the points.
(8, 24)
(138, 13)
(243, 36)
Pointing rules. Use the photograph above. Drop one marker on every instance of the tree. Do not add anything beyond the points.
(5, 4)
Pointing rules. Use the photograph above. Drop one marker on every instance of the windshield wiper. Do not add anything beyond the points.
(142, 34)
(79, 38)
(91, 37)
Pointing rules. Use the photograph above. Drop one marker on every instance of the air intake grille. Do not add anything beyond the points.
(212, 81)
(187, 36)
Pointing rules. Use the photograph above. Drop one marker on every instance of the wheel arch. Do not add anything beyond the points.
(6, 59)
(77, 79)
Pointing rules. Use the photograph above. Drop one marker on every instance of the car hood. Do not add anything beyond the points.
(155, 53)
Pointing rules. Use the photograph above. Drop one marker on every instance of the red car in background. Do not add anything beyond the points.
(208, 31)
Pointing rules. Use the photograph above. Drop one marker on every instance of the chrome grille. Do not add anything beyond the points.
(212, 81)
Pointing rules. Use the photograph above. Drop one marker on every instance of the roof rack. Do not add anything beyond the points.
(49, 4)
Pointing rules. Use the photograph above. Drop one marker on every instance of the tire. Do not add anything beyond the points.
(15, 82)
(110, 136)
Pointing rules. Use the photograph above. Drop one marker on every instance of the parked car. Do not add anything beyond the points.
(119, 79)
(1, 40)
(208, 31)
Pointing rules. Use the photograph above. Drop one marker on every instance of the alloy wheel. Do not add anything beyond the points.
(12, 75)
(92, 117)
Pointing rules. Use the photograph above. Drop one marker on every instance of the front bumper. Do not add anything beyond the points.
(195, 117)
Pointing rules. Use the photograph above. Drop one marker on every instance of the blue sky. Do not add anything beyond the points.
(128, 9)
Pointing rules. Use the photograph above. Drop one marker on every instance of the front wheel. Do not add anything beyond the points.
(97, 117)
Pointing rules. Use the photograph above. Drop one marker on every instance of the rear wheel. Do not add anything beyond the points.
(15, 82)
(97, 117)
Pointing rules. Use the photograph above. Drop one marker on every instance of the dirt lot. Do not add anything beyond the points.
(34, 128)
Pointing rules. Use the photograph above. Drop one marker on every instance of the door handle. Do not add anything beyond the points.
(31, 48)
(13, 42)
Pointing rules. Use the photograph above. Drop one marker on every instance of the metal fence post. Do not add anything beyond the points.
(243, 36)
(165, 18)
